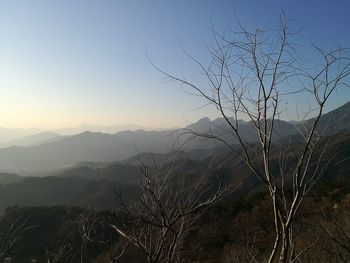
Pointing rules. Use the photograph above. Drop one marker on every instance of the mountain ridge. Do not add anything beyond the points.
(103, 147)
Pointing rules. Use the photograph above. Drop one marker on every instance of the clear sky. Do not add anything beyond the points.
(66, 62)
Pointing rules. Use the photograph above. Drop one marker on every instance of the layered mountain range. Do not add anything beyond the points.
(90, 184)
(47, 152)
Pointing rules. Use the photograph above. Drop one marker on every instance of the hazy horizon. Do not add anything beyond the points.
(65, 63)
(84, 126)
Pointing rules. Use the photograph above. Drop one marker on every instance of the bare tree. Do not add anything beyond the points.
(159, 220)
(338, 242)
(115, 254)
(335, 226)
(244, 254)
(251, 76)
(87, 222)
(59, 253)
(10, 238)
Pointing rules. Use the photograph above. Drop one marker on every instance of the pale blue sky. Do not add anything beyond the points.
(69, 61)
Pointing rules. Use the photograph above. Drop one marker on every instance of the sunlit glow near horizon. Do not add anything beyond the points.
(63, 63)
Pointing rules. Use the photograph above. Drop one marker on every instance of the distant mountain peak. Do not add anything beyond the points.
(202, 124)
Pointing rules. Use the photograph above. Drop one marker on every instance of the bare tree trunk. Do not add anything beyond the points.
(249, 77)
(164, 212)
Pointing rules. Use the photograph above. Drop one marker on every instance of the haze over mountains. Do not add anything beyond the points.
(46, 152)
(91, 184)
(103, 129)
(34, 139)
(28, 137)
(83, 169)
(7, 134)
